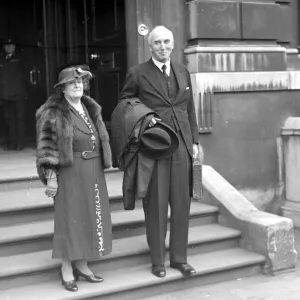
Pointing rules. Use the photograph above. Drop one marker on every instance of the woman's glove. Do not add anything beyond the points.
(52, 185)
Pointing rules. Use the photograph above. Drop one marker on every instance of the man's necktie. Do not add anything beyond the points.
(164, 67)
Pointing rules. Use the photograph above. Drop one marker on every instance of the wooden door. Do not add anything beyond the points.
(89, 32)
(106, 51)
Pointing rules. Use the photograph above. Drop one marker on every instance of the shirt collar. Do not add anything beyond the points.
(160, 64)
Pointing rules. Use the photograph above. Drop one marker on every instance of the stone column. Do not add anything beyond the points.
(291, 147)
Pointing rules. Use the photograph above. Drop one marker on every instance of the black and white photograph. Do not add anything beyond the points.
(150, 150)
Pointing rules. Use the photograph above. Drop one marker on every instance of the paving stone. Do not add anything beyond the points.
(285, 286)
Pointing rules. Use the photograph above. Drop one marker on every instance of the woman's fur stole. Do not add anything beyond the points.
(54, 129)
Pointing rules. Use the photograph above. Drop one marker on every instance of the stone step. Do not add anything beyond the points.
(26, 178)
(38, 266)
(35, 236)
(30, 205)
(132, 282)
(42, 209)
(17, 165)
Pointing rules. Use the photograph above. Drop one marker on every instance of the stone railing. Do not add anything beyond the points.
(264, 233)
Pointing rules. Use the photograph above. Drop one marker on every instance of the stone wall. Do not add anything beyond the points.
(246, 82)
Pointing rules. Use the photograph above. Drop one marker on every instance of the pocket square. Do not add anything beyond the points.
(187, 88)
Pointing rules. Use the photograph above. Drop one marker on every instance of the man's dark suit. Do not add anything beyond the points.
(171, 179)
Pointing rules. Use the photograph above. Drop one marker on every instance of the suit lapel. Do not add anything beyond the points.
(180, 78)
(154, 80)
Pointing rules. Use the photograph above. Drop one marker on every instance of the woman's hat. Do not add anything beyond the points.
(70, 74)
(159, 141)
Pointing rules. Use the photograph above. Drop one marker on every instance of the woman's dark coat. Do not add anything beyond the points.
(55, 133)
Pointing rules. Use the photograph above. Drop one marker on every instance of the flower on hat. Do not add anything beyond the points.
(79, 70)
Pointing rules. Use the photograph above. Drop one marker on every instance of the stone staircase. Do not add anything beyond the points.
(28, 272)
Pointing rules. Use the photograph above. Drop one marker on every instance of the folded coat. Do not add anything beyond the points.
(129, 120)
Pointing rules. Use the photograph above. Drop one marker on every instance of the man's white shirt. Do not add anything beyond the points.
(160, 64)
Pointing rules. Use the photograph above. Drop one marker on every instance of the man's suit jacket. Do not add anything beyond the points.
(142, 82)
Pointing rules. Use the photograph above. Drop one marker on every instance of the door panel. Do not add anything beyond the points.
(105, 21)
(106, 51)
(90, 32)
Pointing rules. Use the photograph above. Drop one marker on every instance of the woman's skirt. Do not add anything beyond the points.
(82, 223)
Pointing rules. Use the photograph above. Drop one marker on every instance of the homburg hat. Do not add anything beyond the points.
(159, 141)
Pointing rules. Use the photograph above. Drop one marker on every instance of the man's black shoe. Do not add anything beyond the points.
(185, 269)
(159, 271)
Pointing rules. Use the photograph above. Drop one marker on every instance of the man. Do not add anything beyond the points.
(13, 93)
(165, 87)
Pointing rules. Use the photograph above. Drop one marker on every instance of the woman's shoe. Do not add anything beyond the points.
(90, 278)
(69, 285)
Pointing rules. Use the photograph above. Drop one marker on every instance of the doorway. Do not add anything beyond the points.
(23, 22)
(88, 32)
(52, 34)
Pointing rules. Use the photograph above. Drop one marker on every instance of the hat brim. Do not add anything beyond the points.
(160, 154)
(66, 80)
(8, 42)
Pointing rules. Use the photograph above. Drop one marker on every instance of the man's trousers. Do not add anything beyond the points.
(170, 184)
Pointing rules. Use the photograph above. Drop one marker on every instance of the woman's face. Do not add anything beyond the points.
(74, 88)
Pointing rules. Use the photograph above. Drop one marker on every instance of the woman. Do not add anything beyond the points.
(72, 150)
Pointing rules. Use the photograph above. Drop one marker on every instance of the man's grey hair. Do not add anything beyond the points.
(158, 28)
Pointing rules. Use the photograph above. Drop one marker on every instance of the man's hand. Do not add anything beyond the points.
(198, 153)
(153, 121)
(195, 151)
(52, 187)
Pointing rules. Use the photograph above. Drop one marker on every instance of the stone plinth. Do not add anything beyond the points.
(291, 146)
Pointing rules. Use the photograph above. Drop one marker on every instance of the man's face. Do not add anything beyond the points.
(161, 46)
(9, 48)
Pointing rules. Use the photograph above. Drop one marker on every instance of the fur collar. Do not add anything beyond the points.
(60, 103)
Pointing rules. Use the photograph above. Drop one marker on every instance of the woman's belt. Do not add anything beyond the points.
(87, 154)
